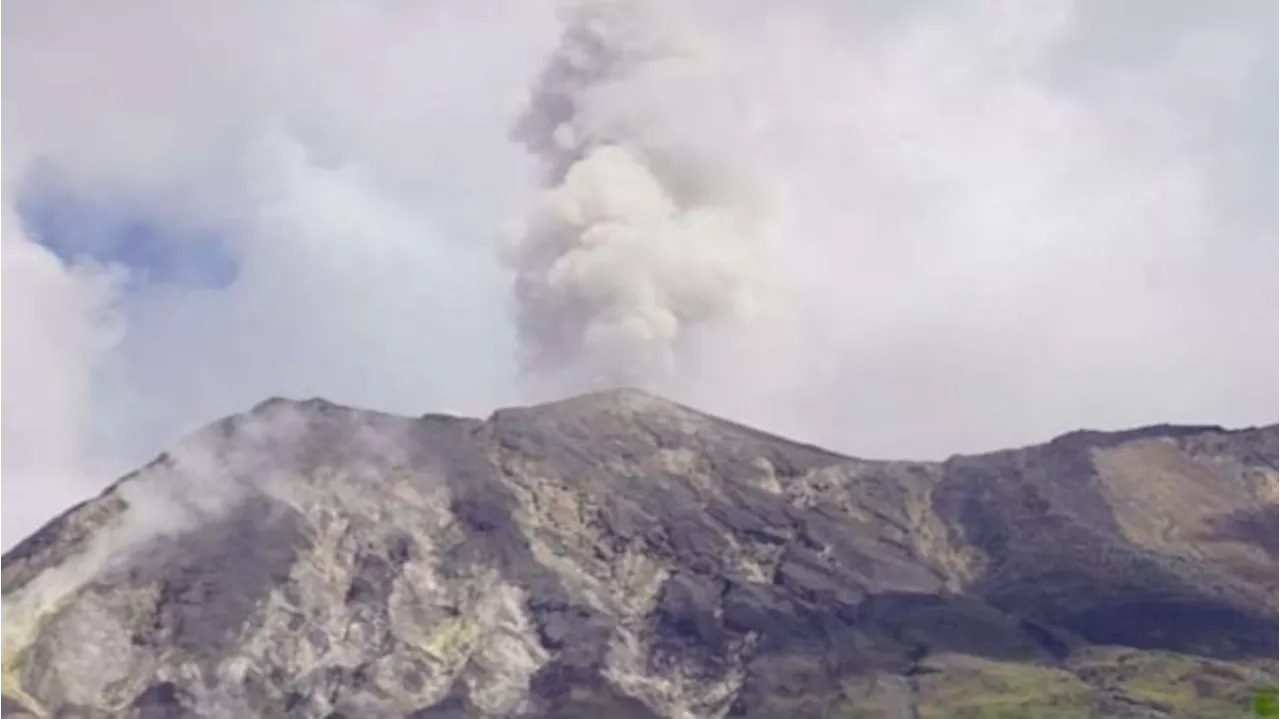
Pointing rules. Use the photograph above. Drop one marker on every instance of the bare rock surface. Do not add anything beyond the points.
(618, 555)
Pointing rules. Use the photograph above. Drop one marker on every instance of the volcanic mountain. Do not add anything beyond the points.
(619, 555)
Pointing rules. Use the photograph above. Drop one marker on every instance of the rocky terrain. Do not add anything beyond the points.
(618, 555)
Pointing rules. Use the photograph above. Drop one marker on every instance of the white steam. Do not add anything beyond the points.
(651, 225)
(58, 327)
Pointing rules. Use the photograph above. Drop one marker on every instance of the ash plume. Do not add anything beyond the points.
(648, 228)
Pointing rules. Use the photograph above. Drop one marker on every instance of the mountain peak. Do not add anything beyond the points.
(626, 401)
(1154, 431)
(618, 554)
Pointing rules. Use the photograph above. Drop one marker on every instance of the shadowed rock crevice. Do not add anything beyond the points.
(162, 700)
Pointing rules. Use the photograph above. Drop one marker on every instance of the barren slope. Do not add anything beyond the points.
(619, 555)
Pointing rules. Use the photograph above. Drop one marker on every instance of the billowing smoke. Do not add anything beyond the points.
(649, 228)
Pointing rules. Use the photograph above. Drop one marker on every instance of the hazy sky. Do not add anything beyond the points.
(981, 223)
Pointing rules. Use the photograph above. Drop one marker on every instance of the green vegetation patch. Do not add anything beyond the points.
(1265, 702)
(1177, 684)
(965, 687)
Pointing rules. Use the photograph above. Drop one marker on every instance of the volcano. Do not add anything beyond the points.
(620, 555)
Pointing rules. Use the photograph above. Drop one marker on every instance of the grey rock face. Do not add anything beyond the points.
(617, 555)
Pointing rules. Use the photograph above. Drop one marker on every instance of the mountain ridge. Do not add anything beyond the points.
(621, 552)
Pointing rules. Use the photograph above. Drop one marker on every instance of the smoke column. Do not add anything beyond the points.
(648, 228)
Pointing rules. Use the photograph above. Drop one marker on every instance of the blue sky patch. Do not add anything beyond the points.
(155, 249)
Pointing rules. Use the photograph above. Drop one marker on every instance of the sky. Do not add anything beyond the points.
(927, 227)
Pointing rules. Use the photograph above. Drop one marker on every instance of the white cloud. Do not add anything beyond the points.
(353, 165)
(989, 243)
(995, 221)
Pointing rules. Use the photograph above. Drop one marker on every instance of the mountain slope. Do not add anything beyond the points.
(619, 555)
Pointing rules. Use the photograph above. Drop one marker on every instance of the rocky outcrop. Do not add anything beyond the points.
(617, 555)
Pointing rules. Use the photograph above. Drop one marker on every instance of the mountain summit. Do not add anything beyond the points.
(619, 555)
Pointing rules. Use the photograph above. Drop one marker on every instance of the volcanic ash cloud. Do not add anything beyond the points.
(649, 225)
